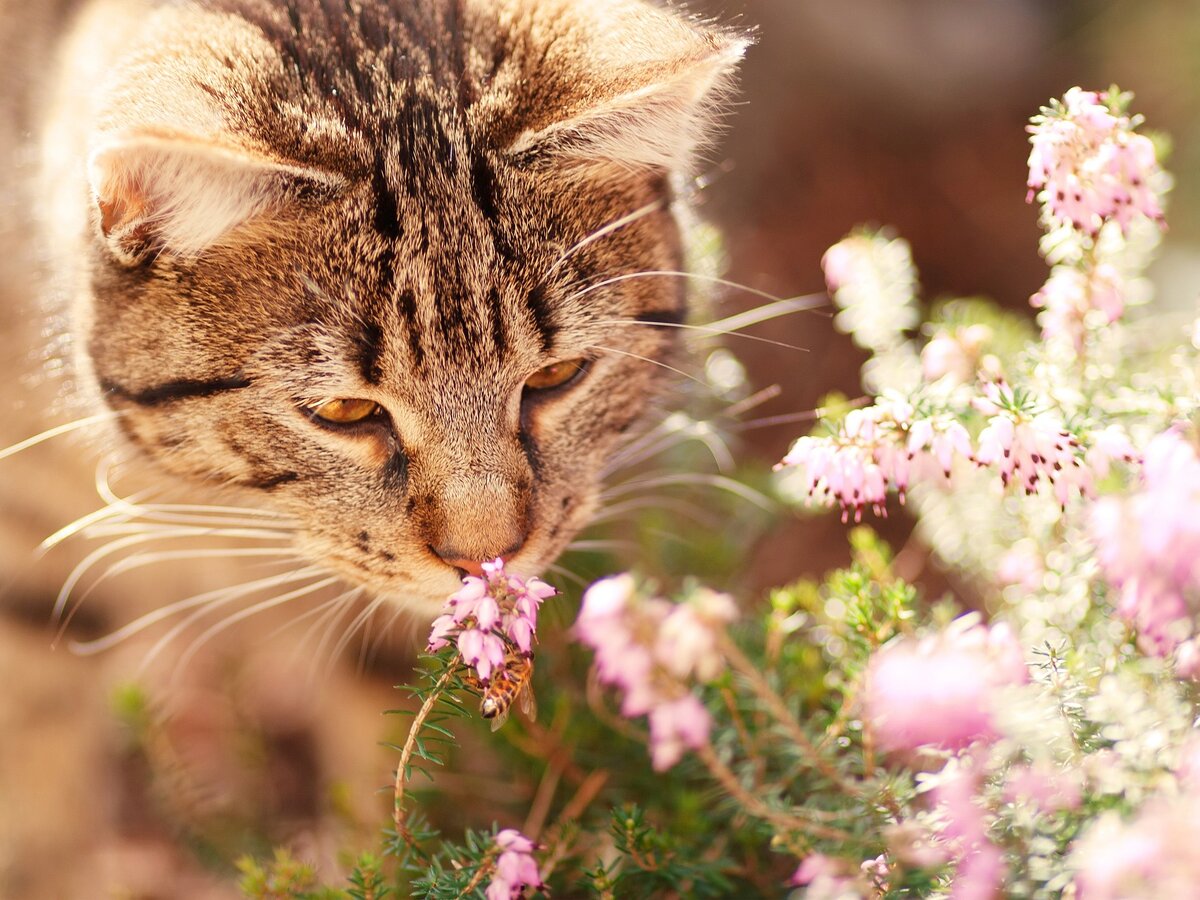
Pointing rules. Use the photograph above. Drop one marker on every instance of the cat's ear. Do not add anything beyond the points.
(184, 195)
(663, 88)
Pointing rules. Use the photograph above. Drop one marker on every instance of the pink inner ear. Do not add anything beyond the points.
(125, 203)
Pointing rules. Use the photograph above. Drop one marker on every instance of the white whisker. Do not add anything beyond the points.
(707, 330)
(792, 304)
(703, 479)
(57, 430)
(587, 545)
(779, 307)
(213, 630)
(140, 560)
(602, 232)
(690, 511)
(651, 361)
(218, 597)
(567, 574)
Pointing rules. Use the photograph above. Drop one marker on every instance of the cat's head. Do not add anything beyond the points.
(387, 270)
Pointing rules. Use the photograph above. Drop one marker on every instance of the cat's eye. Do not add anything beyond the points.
(345, 411)
(556, 375)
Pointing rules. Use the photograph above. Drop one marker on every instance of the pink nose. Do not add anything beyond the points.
(470, 566)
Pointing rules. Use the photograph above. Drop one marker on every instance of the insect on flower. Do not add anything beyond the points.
(509, 684)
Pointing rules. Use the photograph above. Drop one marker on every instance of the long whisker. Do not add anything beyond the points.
(57, 430)
(218, 597)
(567, 574)
(796, 304)
(649, 360)
(692, 511)
(780, 307)
(706, 329)
(608, 229)
(212, 631)
(758, 498)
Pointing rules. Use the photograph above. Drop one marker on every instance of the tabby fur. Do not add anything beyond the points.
(244, 207)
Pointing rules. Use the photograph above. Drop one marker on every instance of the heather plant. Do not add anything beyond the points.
(853, 736)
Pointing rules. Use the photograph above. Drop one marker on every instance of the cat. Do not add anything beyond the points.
(386, 267)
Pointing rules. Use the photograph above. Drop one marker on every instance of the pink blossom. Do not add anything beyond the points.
(825, 878)
(941, 690)
(516, 868)
(1088, 165)
(487, 615)
(875, 449)
(1048, 789)
(677, 725)
(1153, 856)
(1149, 544)
(649, 648)
(1030, 451)
(980, 870)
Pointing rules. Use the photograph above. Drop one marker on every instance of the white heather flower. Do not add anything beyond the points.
(1088, 165)
(1074, 300)
(874, 283)
(955, 354)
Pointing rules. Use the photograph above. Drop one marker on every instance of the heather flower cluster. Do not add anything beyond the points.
(516, 869)
(1088, 165)
(488, 616)
(1149, 544)
(651, 649)
(880, 447)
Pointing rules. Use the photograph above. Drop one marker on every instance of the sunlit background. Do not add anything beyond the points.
(905, 114)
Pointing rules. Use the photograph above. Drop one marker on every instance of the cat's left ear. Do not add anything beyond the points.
(652, 102)
(184, 195)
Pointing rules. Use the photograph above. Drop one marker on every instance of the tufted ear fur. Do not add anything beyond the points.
(182, 195)
(663, 88)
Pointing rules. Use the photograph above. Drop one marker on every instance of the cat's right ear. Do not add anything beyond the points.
(183, 195)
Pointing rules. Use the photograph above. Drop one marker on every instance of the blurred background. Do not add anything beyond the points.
(905, 113)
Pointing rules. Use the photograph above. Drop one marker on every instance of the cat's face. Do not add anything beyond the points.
(406, 322)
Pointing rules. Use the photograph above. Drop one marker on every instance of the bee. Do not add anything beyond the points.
(513, 682)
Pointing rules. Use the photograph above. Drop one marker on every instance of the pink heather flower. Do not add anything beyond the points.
(1087, 165)
(687, 644)
(1030, 451)
(980, 870)
(1149, 544)
(487, 615)
(649, 648)
(1154, 856)
(825, 878)
(876, 448)
(941, 690)
(516, 868)
(677, 725)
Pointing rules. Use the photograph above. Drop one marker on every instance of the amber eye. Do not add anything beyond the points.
(555, 375)
(344, 412)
